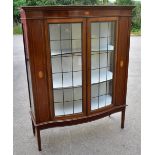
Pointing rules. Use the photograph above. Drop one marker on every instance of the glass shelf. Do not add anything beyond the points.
(78, 51)
(77, 79)
(108, 48)
(65, 39)
(66, 52)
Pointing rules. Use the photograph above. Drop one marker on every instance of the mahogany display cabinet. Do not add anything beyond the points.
(76, 62)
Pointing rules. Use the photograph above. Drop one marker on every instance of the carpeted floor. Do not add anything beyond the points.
(101, 137)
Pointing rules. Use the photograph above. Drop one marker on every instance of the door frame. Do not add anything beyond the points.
(49, 67)
(89, 21)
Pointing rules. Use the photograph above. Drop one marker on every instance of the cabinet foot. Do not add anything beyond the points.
(33, 128)
(122, 118)
(38, 138)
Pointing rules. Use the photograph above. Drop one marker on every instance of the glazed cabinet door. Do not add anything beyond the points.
(67, 67)
(101, 63)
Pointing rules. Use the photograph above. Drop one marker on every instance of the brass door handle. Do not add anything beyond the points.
(121, 63)
(40, 74)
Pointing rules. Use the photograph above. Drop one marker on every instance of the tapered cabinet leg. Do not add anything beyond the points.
(38, 138)
(122, 118)
(33, 127)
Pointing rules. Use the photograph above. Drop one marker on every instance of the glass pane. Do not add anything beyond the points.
(67, 79)
(94, 103)
(109, 73)
(103, 74)
(77, 63)
(111, 29)
(78, 93)
(108, 100)
(103, 60)
(104, 29)
(110, 44)
(103, 88)
(95, 61)
(58, 95)
(68, 95)
(102, 63)
(55, 46)
(95, 30)
(76, 31)
(58, 109)
(103, 44)
(54, 31)
(110, 59)
(77, 78)
(65, 31)
(102, 101)
(109, 87)
(94, 90)
(68, 108)
(95, 44)
(57, 80)
(78, 106)
(95, 76)
(56, 64)
(76, 45)
(66, 62)
(66, 46)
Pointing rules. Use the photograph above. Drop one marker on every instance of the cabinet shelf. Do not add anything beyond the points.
(108, 48)
(104, 76)
(70, 39)
(66, 53)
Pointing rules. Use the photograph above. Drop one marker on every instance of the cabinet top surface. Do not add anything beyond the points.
(67, 7)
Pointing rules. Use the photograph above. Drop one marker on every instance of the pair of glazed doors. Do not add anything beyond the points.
(82, 64)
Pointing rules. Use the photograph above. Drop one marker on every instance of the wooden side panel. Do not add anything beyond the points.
(122, 60)
(28, 71)
(37, 56)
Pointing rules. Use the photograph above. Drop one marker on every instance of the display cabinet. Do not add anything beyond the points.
(76, 62)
